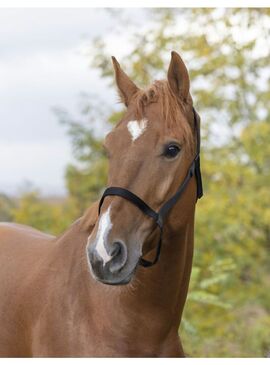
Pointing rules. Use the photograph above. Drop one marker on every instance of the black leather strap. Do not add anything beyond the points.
(194, 170)
(146, 263)
(198, 177)
(128, 195)
(197, 158)
(166, 207)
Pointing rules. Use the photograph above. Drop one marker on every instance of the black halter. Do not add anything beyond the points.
(159, 216)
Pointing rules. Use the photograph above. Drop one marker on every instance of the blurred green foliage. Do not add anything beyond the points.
(227, 52)
(6, 205)
(48, 215)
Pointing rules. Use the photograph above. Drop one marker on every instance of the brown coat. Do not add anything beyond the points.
(52, 305)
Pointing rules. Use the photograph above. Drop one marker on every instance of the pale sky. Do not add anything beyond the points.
(43, 64)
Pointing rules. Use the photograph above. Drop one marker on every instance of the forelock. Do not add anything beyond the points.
(172, 109)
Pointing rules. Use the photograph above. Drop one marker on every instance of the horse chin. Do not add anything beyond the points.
(121, 282)
(115, 280)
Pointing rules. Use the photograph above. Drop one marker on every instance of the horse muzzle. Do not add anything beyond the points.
(114, 268)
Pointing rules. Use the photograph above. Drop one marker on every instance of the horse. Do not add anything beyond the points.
(115, 283)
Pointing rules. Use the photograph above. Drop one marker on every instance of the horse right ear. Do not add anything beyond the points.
(126, 87)
(178, 77)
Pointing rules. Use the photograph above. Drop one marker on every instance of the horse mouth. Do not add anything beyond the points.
(124, 281)
(113, 281)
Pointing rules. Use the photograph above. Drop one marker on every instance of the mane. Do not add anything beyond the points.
(174, 112)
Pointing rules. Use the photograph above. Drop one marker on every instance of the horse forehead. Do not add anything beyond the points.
(137, 127)
(132, 135)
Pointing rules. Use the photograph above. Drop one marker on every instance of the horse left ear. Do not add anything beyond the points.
(126, 87)
(178, 77)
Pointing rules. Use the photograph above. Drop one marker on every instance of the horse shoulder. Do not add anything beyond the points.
(22, 250)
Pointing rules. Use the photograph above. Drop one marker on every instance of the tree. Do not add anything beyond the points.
(47, 216)
(6, 205)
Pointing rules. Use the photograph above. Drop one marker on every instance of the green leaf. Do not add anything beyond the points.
(217, 279)
(206, 298)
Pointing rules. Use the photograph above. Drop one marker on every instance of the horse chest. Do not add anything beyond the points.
(58, 338)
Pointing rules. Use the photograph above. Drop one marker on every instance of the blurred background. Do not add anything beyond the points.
(58, 101)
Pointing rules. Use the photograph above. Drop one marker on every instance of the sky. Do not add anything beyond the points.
(43, 65)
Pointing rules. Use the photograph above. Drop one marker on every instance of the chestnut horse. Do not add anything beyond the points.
(90, 292)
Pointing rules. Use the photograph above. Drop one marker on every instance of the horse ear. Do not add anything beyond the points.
(126, 87)
(178, 77)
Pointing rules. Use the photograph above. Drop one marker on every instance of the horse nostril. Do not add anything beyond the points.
(118, 256)
(116, 249)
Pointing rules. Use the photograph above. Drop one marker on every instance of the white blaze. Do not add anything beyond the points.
(136, 128)
(104, 227)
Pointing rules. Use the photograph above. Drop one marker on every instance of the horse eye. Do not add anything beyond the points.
(171, 151)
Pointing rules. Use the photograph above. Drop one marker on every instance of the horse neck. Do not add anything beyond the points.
(163, 288)
(155, 298)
